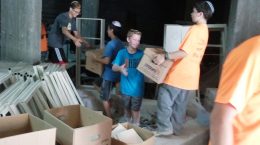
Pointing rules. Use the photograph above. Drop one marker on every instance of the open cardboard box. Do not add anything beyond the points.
(156, 73)
(26, 129)
(77, 125)
(146, 135)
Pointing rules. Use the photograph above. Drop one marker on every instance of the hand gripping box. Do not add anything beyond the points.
(155, 72)
(26, 129)
(77, 125)
(94, 66)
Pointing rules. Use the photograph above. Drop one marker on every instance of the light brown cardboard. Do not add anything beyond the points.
(91, 65)
(77, 125)
(156, 73)
(26, 129)
(146, 135)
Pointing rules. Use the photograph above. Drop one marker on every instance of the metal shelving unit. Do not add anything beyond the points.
(222, 29)
(93, 26)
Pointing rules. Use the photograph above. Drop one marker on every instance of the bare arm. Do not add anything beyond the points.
(122, 69)
(104, 60)
(76, 34)
(221, 130)
(83, 41)
(67, 33)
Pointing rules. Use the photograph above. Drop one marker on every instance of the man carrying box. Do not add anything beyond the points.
(110, 78)
(183, 77)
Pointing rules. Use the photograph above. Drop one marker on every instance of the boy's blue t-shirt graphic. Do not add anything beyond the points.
(133, 84)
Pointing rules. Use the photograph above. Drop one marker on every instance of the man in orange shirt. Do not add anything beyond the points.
(235, 119)
(44, 44)
(183, 77)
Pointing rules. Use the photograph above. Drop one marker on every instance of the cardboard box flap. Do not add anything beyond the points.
(94, 66)
(146, 135)
(89, 117)
(151, 52)
(37, 124)
(155, 72)
(62, 128)
(70, 115)
(117, 129)
(98, 133)
(143, 133)
(129, 136)
(88, 126)
(13, 125)
(26, 129)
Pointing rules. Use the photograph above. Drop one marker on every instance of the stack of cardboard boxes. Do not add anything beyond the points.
(26, 130)
(68, 125)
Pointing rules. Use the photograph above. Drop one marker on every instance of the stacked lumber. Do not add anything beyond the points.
(33, 89)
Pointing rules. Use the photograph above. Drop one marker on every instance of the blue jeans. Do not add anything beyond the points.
(171, 108)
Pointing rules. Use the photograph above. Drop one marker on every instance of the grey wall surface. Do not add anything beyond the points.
(20, 30)
(244, 21)
(89, 10)
(0, 29)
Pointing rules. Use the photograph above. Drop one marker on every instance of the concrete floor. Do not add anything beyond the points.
(192, 134)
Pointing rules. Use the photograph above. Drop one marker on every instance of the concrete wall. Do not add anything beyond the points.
(90, 10)
(0, 30)
(20, 30)
(244, 21)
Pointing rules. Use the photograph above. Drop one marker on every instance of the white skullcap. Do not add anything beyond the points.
(211, 6)
(116, 23)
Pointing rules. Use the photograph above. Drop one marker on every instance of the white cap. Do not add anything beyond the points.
(117, 24)
(211, 6)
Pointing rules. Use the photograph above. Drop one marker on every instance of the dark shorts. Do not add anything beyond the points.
(132, 103)
(57, 55)
(106, 89)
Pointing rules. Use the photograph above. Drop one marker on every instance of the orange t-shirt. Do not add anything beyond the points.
(185, 72)
(44, 46)
(240, 86)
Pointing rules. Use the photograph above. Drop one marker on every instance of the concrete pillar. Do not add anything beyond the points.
(244, 21)
(89, 10)
(0, 32)
(20, 30)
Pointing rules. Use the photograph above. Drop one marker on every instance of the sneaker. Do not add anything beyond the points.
(163, 133)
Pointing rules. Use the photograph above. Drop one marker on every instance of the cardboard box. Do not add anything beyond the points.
(94, 66)
(157, 73)
(173, 36)
(26, 129)
(146, 135)
(77, 125)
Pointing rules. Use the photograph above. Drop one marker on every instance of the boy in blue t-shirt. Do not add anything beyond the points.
(132, 81)
(109, 76)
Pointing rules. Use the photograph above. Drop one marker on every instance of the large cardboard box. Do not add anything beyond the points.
(77, 125)
(146, 135)
(157, 73)
(91, 65)
(173, 36)
(26, 129)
